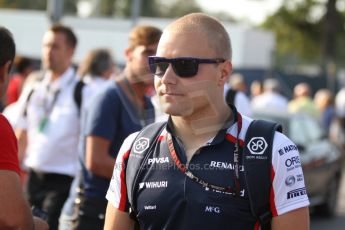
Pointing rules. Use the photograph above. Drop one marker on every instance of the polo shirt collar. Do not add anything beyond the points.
(63, 81)
(218, 138)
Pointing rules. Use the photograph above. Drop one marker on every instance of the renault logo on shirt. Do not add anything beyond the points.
(141, 144)
(257, 145)
(224, 165)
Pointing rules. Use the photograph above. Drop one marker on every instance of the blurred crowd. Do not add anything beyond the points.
(70, 121)
(323, 106)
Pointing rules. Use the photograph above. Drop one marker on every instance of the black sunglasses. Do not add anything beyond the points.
(184, 67)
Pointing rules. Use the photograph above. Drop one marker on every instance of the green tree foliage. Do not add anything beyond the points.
(180, 8)
(107, 7)
(69, 5)
(119, 8)
(156, 8)
(24, 4)
(303, 38)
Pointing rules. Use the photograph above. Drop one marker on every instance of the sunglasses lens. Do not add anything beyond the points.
(158, 68)
(185, 68)
(161, 67)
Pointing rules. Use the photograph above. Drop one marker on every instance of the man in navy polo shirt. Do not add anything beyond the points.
(121, 109)
(180, 185)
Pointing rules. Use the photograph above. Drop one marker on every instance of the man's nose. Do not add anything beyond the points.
(169, 76)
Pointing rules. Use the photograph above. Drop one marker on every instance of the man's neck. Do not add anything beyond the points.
(198, 130)
(56, 74)
(138, 87)
(135, 91)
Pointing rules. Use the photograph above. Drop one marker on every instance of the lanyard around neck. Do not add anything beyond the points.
(237, 154)
(56, 93)
(140, 110)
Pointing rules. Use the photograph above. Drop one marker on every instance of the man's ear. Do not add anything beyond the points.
(4, 70)
(226, 71)
(128, 54)
(71, 52)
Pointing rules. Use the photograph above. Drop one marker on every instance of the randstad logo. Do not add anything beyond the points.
(141, 144)
(257, 145)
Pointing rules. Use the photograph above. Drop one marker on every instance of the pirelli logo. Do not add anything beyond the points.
(296, 193)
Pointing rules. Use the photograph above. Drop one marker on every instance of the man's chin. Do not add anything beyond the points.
(47, 67)
(177, 111)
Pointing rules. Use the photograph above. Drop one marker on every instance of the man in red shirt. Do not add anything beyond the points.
(14, 212)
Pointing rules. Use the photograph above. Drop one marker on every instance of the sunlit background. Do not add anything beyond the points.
(304, 38)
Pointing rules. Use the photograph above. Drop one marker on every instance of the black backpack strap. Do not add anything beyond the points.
(34, 78)
(140, 150)
(257, 155)
(230, 96)
(25, 112)
(77, 94)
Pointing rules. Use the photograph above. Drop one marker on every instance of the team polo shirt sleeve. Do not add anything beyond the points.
(288, 190)
(9, 149)
(117, 191)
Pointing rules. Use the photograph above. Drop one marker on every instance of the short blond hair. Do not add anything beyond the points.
(210, 27)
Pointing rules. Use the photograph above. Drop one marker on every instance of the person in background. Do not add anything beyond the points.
(172, 186)
(337, 129)
(302, 101)
(119, 110)
(48, 128)
(23, 67)
(234, 93)
(255, 89)
(15, 212)
(237, 82)
(324, 101)
(95, 71)
(271, 98)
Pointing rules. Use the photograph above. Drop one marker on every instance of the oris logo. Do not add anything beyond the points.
(292, 161)
(257, 145)
(290, 180)
(141, 144)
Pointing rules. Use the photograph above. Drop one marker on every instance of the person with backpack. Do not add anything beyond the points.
(96, 71)
(48, 127)
(206, 167)
(119, 110)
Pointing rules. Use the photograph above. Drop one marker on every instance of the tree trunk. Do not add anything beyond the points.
(330, 30)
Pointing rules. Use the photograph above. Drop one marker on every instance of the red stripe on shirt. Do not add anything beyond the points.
(239, 122)
(257, 225)
(272, 195)
(123, 196)
(161, 137)
(233, 139)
